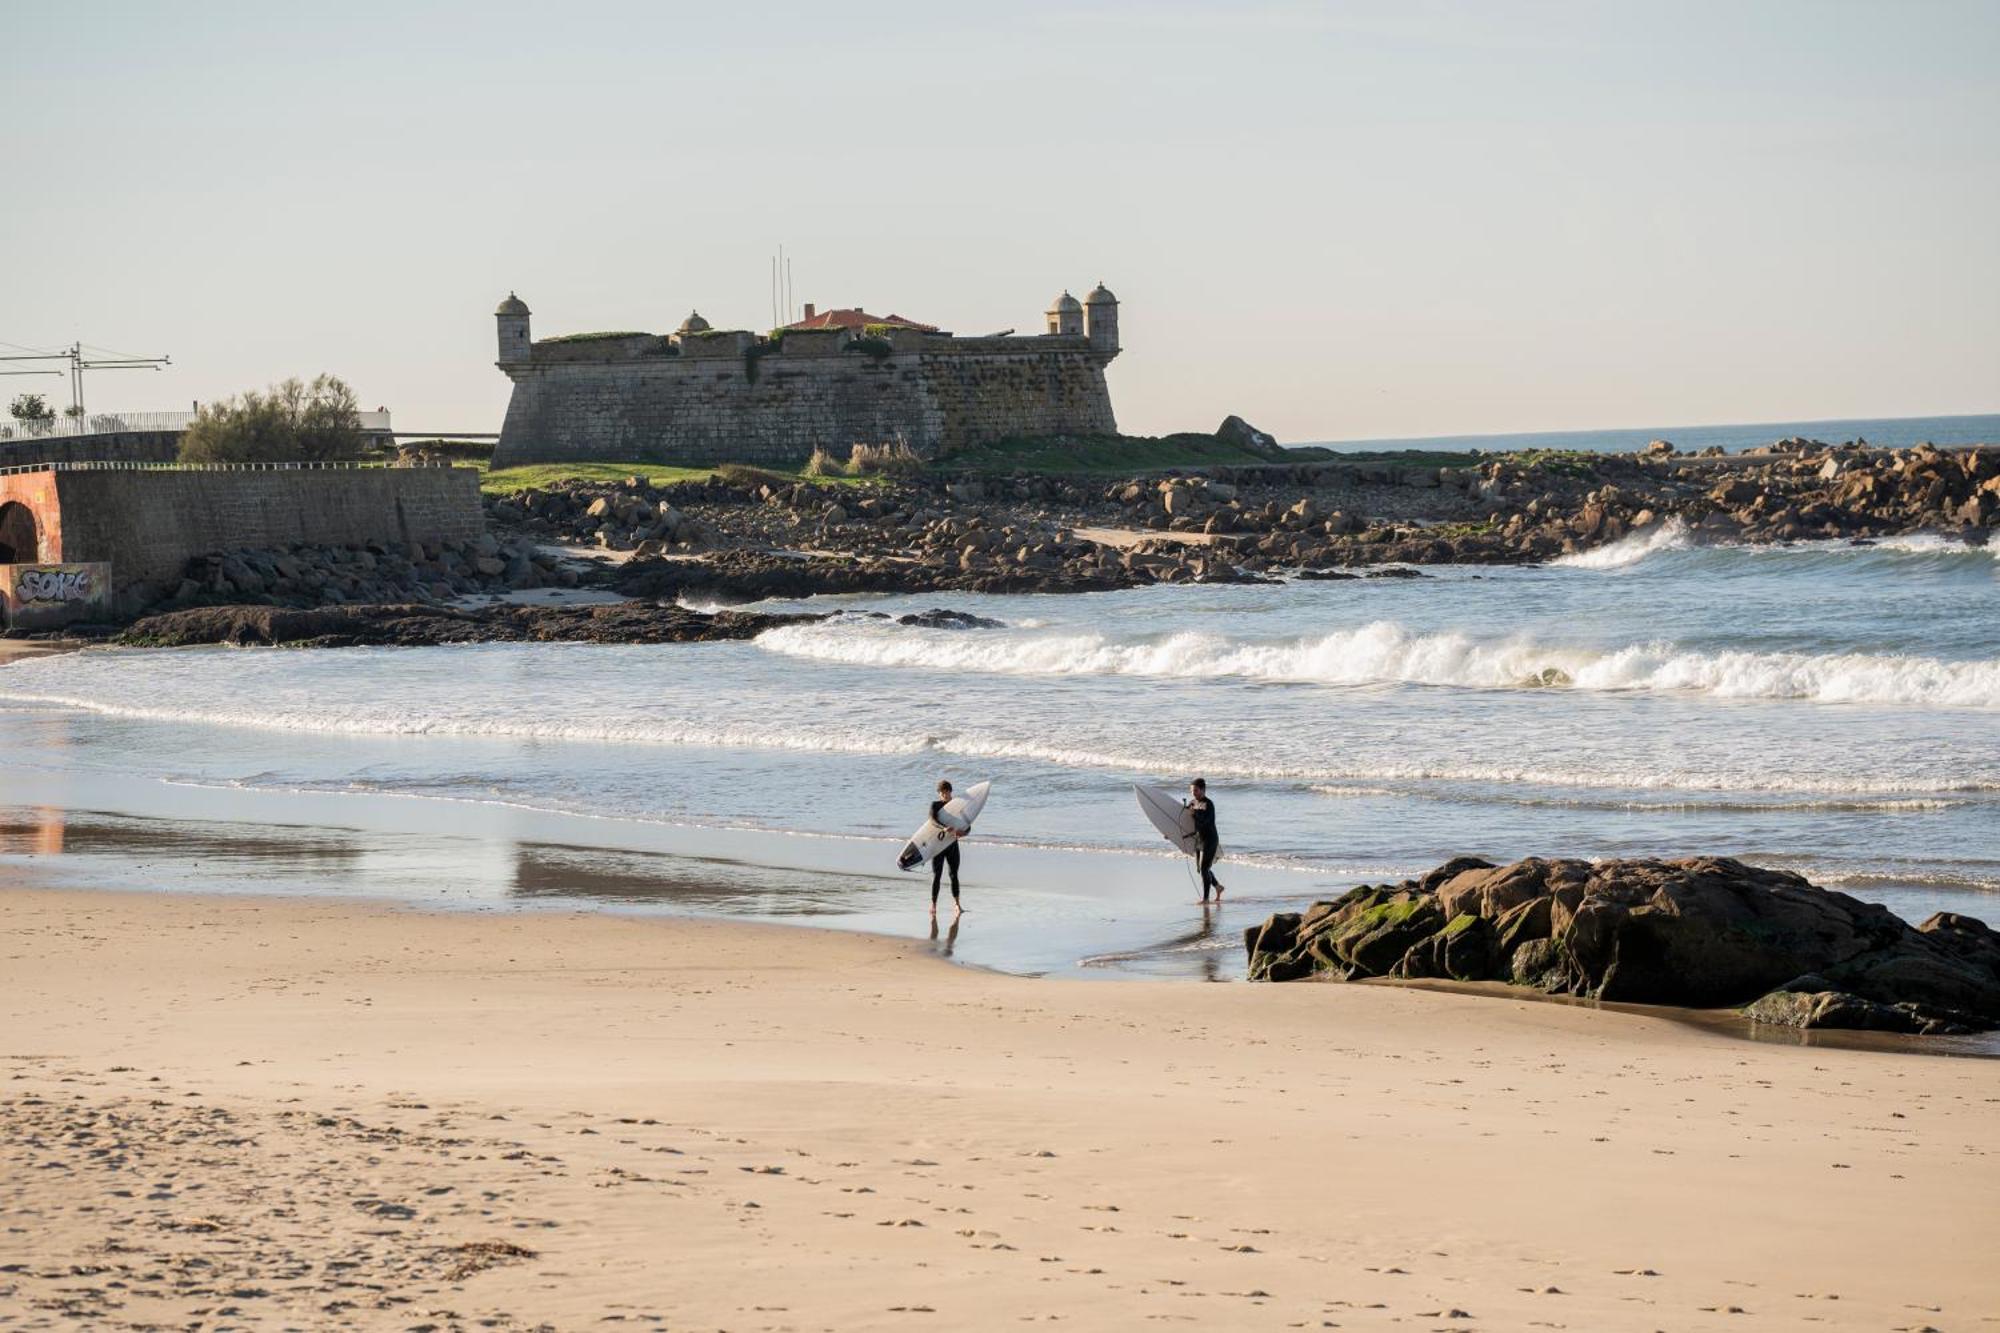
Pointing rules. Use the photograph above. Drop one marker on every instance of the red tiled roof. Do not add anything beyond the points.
(856, 318)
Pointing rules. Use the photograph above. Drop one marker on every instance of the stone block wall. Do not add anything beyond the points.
(138, 446)
(983, 397)
(720, 405)
(149, 523)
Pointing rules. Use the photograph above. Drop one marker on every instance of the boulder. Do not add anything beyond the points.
(1702, 931)
(1234, 430)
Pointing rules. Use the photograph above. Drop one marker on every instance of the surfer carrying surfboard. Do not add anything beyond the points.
(947, 857)
(1202, 811)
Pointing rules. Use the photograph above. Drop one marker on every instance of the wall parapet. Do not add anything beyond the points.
(121, 465)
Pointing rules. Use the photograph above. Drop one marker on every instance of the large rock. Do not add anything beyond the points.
(1703, 932)
(1236, 431)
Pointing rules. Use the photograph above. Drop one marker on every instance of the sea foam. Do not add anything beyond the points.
(1629, 550)
(1385, 652)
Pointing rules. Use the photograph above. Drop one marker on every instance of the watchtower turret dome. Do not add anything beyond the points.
(1101, 320)
(1066, 315)
(513, 305)
(694, 323)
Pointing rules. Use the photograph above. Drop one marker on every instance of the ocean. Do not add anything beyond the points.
(1827, 707)
(1884, 432)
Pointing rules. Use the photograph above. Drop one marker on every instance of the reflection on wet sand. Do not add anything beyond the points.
(1170, 956)
(48, 831)
(689, 883)
(949, 944)
(40, 833)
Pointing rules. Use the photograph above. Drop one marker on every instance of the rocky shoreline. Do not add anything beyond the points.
(1703, 932)
(1049, 533)
(745, 536)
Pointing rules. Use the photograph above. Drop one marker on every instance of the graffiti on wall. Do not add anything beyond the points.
(54, 583)
(37, 595)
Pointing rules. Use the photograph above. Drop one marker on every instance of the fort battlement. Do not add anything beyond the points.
(702, 395)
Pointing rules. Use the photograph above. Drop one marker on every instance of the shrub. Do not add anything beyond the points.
(870, 345)
(292, 422)
(823, 464)
(895, 458)
(29, 408)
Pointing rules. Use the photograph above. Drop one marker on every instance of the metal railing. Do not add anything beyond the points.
(120, 423)
(107, 466)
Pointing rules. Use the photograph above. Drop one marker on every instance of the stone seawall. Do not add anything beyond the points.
(148, 523)
(136, 446)
(777, 408)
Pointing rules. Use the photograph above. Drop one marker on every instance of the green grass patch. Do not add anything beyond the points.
(544, 476)
(547, 476)
(1485, 527)
(1573, 462)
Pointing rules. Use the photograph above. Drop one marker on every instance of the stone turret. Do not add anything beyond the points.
(1066, 315)
(1100, 320)
(512, 318)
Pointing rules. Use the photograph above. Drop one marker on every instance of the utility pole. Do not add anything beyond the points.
(80, 361)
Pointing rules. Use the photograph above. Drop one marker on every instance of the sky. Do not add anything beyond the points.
(1341, 220)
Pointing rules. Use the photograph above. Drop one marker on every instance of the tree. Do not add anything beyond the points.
(292, 422)
(31, 407)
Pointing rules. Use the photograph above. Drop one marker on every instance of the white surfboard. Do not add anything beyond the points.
(953, 822)
(1170, 815)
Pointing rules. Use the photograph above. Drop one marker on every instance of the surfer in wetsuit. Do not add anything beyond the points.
(1203, 811)
(947, 857)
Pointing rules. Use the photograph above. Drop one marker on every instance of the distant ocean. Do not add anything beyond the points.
(1892, 432)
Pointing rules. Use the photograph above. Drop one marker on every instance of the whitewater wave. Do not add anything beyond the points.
(1074, 752)
(1674, 535)
(1629, 550)
(1385, 652)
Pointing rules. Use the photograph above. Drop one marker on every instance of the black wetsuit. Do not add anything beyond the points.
(1204, 828)
(947, 857)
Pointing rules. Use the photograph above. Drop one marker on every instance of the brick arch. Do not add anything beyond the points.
(30, 521)
(20, 534)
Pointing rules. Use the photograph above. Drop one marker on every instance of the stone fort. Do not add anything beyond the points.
(834, 379)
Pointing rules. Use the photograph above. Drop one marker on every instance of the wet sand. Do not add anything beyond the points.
(12, 650)
(257, 1113)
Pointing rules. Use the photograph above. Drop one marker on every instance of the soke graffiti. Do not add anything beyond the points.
(54, 585)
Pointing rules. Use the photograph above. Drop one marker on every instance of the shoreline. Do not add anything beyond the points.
(1729, 1024)
(654, 1110)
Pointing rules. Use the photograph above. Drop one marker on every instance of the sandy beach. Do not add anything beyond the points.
(306, 1113)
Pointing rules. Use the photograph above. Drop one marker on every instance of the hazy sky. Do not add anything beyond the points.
(1340, 220)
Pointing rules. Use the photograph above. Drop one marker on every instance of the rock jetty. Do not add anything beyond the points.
(421, 625)
(1703, 932)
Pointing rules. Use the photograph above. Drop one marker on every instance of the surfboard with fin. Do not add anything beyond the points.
(1170, 815)
(953, 822)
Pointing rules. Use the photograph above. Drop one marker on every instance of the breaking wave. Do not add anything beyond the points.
(1386, 653)
(1630, 550)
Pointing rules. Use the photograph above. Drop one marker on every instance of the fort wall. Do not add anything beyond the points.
(729, 398)
(147, 523)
